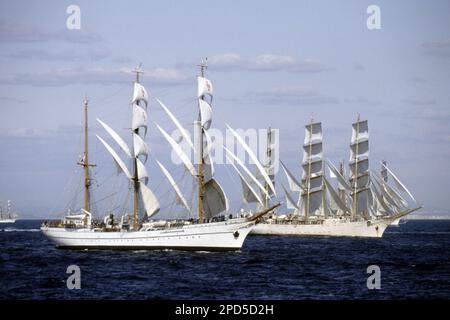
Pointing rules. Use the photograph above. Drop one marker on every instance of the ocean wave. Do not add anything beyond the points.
(20, 230)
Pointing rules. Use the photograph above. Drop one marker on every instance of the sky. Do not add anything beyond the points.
(272, 63)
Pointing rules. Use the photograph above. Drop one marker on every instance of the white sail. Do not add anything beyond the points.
(215, 200)
(140, 147)
(294, 185)
(139, 118)
(205, 114)
(400, 185)
(359, 167)
(174, 186)
(312, 196)
(360, 131)
(180, 153)
(116, 157)
(139, 93)
(381, 204)
(249, 174)
(250, 195)
(313, 132)
(394, 195)
(335, 197)
(204, 87)
(122, 144)
(183, 131)
(208, 168)
(142, 171)
(290, 203)
(254, 159)
(338, 176)
(151, 203)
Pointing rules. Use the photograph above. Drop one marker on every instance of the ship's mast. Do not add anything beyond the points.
(355, 177)
(138, 71)
(324, 191)
(201, 175)
(85, 161)
(269, 165)
(309, 171)
(342, 191)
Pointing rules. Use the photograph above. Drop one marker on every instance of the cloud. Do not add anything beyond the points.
(293, 95)
(362, 100)
(418, 79)
(358, 67)
(439, 48)
(92, 54)
(27, 33)
(265, 63)
(100, 76)
(12, 99)
(420, 101)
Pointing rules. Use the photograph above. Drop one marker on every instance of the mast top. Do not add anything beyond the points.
(203, 66)
(85, 100)
(138, 71)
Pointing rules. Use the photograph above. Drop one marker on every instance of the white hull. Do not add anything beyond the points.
(7, 220)
(328, 227)
(217, 236)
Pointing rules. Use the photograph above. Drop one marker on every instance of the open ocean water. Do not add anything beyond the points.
(414, 260)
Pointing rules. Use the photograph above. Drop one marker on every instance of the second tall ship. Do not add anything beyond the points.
(362, 205)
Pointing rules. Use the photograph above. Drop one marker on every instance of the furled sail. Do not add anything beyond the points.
(359, 168)
(122, 144)
(182, 130)
(180, 153)
(174, 186)
(252, 156)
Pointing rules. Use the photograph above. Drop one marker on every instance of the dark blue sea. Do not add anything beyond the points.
(414, 260)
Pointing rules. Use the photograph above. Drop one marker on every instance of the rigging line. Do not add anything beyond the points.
(104, 198)
(105, 99)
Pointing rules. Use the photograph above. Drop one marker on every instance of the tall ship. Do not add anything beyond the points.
(210, 231)
(360, 205)
(7, 214)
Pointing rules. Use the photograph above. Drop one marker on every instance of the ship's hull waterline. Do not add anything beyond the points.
(218, 236)
(332, 227)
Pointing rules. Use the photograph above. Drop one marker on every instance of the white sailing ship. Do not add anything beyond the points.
(362, 206)
(208, 233)
(7, 215)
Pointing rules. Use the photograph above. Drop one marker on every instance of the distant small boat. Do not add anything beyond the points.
(7, 216)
